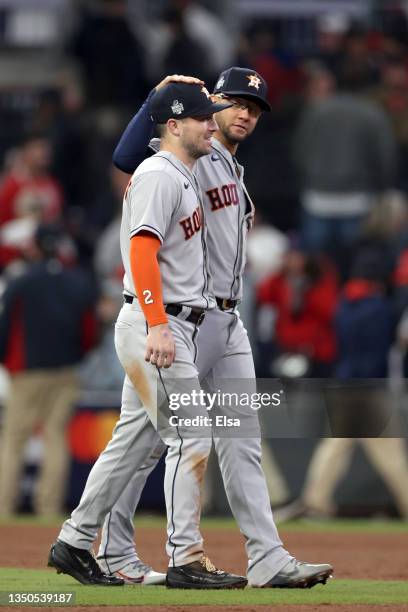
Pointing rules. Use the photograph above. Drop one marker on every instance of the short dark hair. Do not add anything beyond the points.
(47, 238)
(161, 129)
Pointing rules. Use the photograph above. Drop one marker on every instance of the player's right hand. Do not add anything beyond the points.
(160, 346)
(178, 78)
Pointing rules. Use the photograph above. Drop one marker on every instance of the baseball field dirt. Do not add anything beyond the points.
(360, 555)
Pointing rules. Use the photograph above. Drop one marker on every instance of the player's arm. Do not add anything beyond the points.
(160, 347)
(132, 146)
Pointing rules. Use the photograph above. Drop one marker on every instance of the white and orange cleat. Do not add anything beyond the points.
(136, 572)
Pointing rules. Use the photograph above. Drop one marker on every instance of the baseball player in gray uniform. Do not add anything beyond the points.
(155, 341)
(223, 349)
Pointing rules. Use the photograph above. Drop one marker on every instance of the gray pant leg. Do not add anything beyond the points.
(117, 545)
(134, 438)
(240, 465)
(247, 493)
(131, 445)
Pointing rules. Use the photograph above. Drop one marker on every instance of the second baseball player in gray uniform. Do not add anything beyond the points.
(157, 328)
(223, 347)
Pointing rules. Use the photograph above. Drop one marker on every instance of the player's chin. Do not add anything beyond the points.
(238, 134)
(206, 148)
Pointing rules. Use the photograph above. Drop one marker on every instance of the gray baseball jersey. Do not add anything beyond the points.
(164, 198)
(228, 205)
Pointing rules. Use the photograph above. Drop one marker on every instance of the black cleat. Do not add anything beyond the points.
(202, 574)
(80, 564)
(299, 575)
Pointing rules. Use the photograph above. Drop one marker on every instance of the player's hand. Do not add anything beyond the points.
(178, 78)
(160, 346)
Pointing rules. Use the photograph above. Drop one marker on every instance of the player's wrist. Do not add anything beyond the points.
(159, 321)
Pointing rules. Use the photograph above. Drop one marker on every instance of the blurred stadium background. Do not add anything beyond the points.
(327, 170)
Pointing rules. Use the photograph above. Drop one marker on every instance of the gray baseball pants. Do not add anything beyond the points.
(224, 352)
(134, 438)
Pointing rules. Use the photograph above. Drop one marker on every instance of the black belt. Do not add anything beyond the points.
(196, 315)
(224, 304)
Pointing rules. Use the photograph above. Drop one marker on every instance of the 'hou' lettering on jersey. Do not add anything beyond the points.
(220, 197)
(191, 225)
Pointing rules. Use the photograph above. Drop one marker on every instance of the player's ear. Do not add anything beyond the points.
(173, 127)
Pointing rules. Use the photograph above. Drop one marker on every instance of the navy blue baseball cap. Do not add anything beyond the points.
(180, 100)
(244, 83)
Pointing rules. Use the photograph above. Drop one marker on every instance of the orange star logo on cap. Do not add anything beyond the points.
(254, 81)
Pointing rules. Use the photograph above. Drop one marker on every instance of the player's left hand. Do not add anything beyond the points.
(160, 346)
(178, 78)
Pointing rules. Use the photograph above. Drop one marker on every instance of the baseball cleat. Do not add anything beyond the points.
(135, 572)
(300, 575)
(202, 574)
(80, 564)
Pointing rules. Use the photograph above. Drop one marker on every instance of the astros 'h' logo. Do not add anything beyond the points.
(254, 81)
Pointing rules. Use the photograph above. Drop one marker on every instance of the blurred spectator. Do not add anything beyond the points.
(364, 320)
(345, 156)
(44, 24)
(400, 301)
(201, 27)
(364, 329)
(266, 249)
(279, 67)
(210, 32)
(46, 325)
(303, 298)
(108, 259)
(401, 284)
(402, 338)
(329, 464)
(28, 195)
(357, 68)
(394, 27)
(101, 368)
(331, 32)
(184, 55)
(110, 56)
(392, 94)
(60, 115)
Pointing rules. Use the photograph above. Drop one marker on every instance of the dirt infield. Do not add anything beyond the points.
(355, 555)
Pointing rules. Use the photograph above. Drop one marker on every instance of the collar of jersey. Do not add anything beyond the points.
(155, 144)
(179, 165)
(222, 150)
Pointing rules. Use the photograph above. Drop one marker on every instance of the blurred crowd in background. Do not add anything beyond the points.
(327, 275)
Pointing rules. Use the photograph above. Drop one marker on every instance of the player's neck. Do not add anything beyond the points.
(230, 146)
(179, 152)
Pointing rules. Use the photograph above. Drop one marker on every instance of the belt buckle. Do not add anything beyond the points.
(200, 318)
(225, 305)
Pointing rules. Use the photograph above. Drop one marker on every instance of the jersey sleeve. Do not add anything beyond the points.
(132, 146)
(152, 198)
(147, 278)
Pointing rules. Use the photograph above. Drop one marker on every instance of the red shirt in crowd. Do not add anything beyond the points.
(23, 197)
(309, 329)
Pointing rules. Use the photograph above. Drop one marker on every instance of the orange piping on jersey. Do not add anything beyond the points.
(146, 277)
